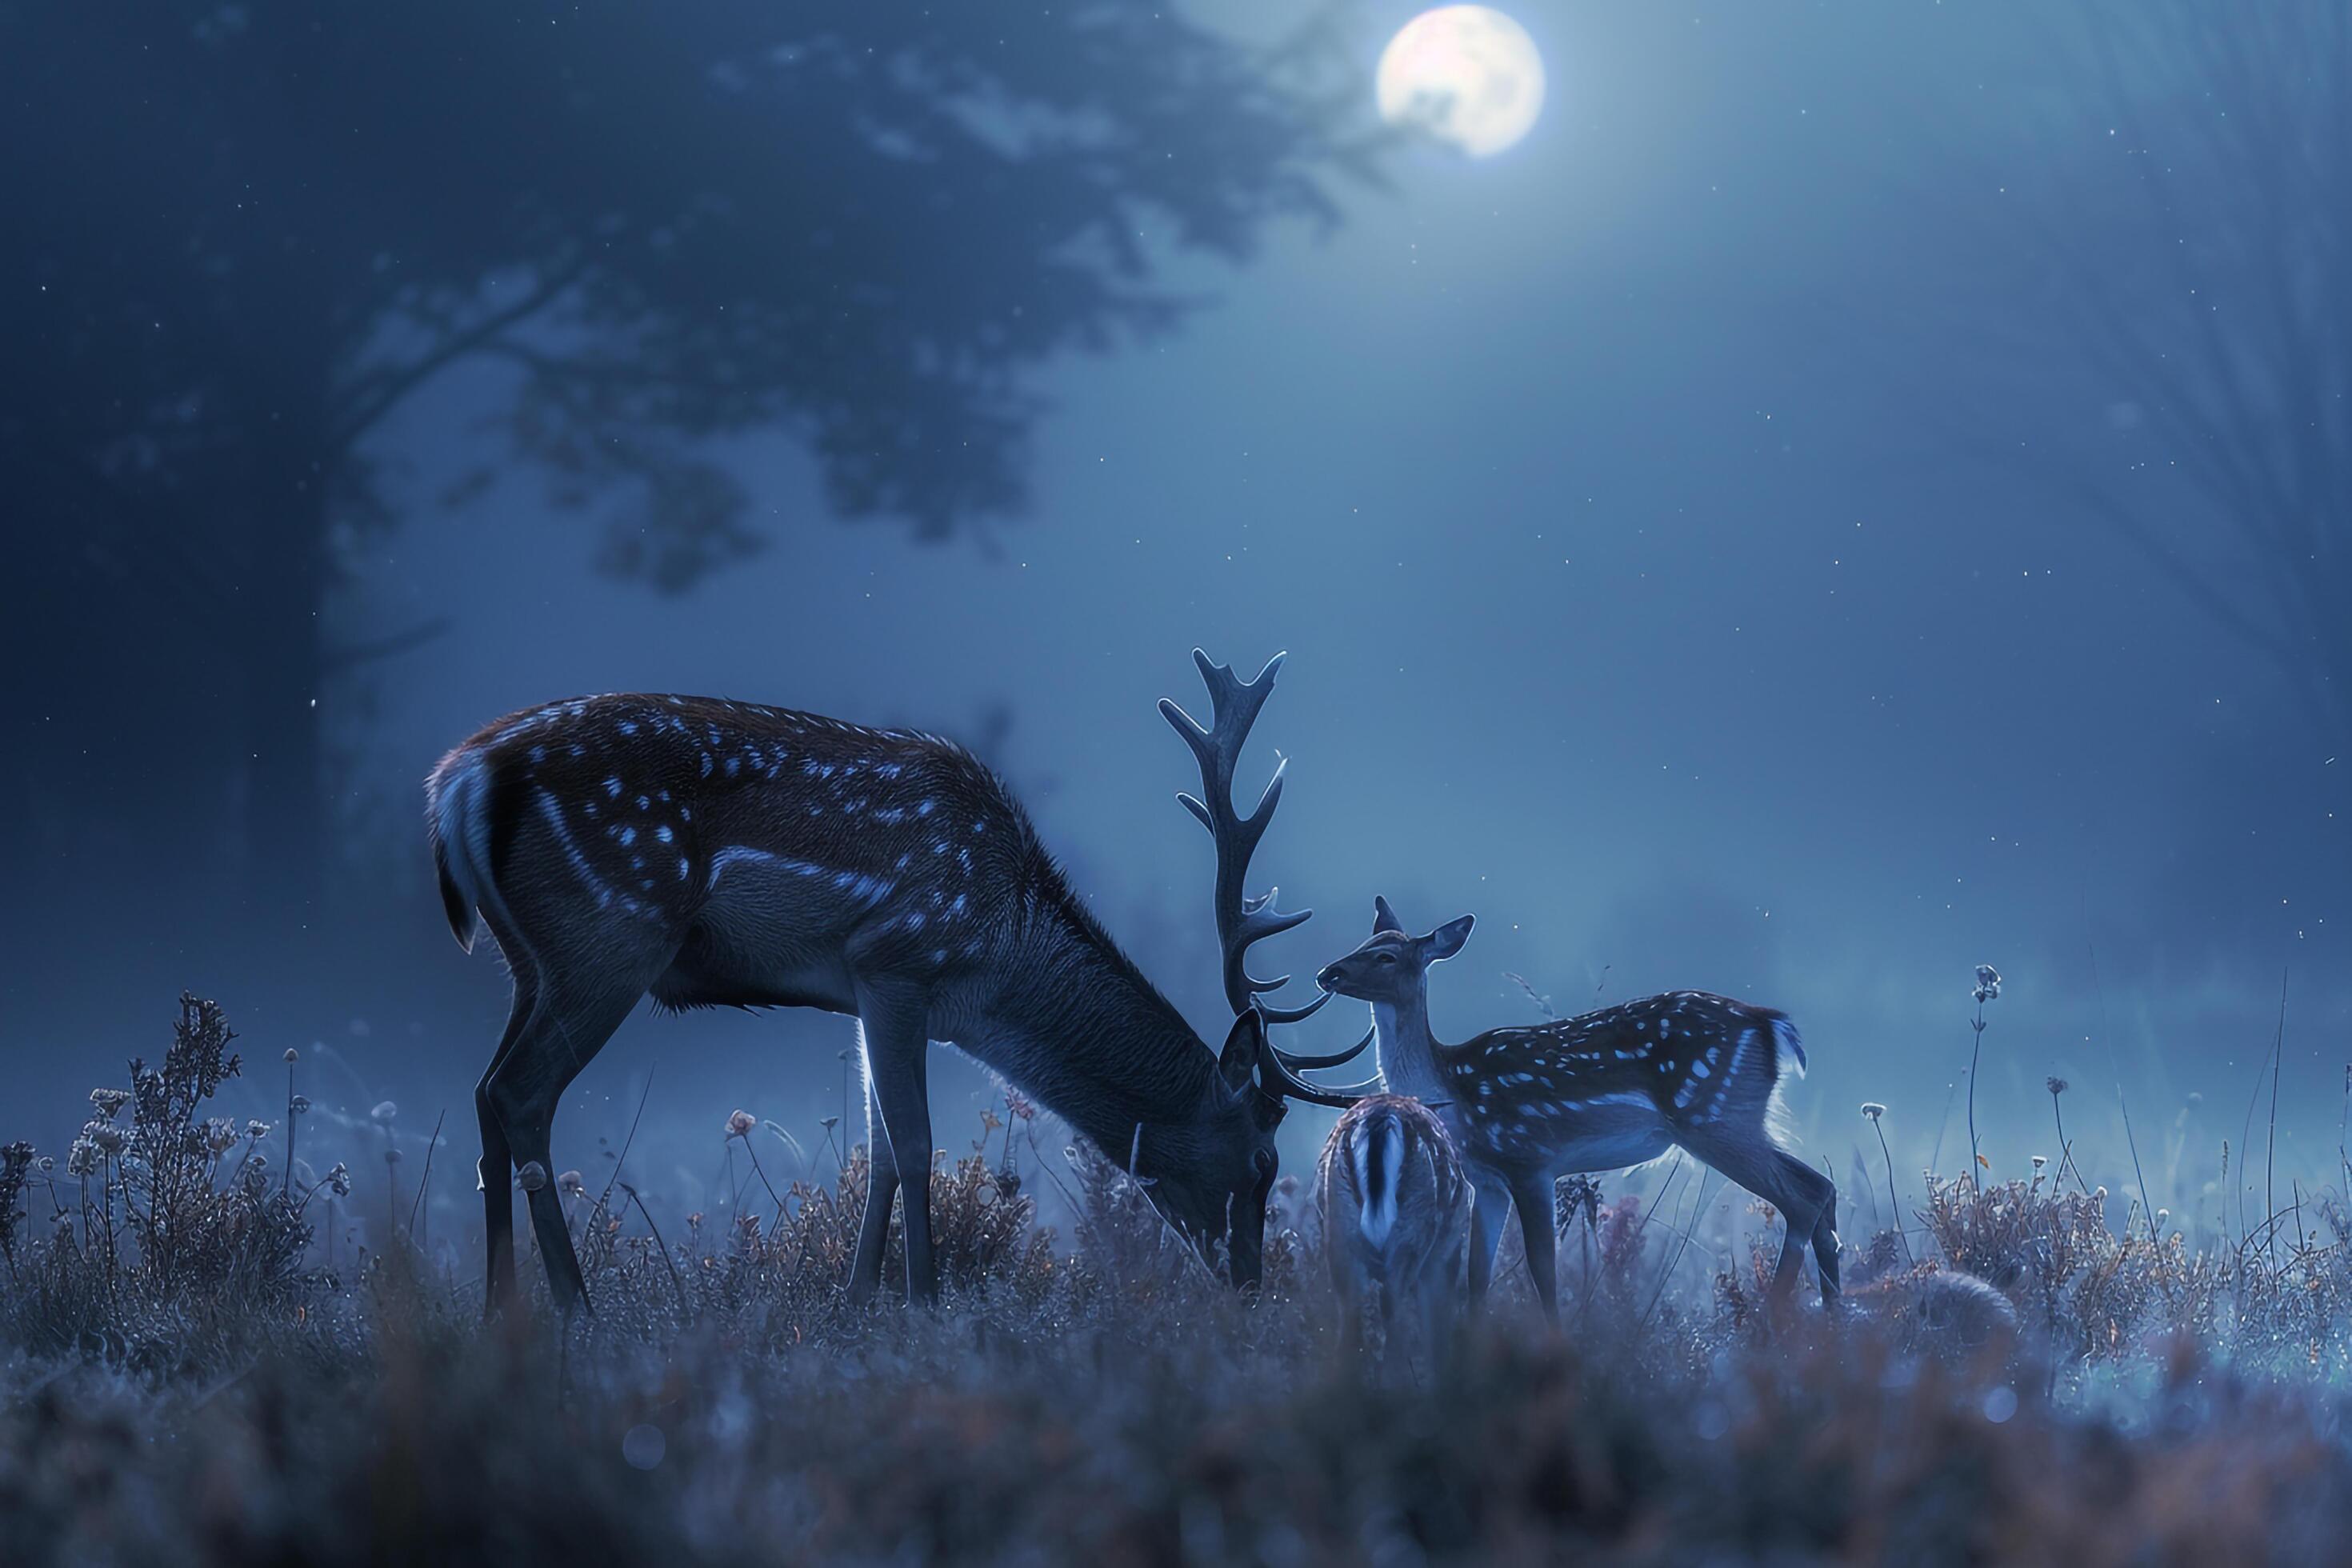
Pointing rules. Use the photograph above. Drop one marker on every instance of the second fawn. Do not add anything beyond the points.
(1613, 1088)
(1396, 1212)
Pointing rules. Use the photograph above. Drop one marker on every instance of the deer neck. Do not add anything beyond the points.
(1407, 1052)
(1074, 1022)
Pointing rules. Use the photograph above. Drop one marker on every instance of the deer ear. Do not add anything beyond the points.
(1384, 918)
(1447, 939)
(1237, 1063)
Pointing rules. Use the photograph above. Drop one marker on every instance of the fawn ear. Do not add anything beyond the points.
(1383, 917)
(1446, 939)
(1237, 1063)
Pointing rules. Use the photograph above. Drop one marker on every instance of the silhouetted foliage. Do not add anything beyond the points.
(244, 235)
(2207, 265)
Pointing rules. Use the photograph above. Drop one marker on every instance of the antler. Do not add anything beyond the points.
(1242, 920)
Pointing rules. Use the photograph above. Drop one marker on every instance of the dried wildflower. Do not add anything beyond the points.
(1872, 1110)
(339, 1180)
(392, 1156)
(110, 1102)
(1019, 1106)
(2039, 1161)
(534, 1176)
(220, 1135)
(292, 1056)
(740, 1124)
(2056, 1086)
(1987, 987)
(256, 1130)
(300, 1104)
(47, 1162)
(384, 1112)
(828, 1122)
(571, 1184)
(82, 1160)
(109, 1138)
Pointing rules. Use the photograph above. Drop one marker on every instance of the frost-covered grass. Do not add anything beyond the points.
(2013, 1381)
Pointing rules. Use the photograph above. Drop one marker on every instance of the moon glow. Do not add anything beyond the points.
(1467, 75)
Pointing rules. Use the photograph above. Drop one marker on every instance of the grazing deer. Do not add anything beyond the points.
(1396, 1212)
(710, 853)
(1612, 1089)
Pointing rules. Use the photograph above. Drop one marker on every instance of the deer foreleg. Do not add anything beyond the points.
(1487, 1211)
(1533, 1197)
(881, 1192)
(896, 1044)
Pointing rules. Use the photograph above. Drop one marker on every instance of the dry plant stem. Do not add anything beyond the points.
(286, 1182)
(676, 1283)
(2278, 1056)
(1976, 1054)
(754, 1153)
(425, 1180)
(2066, 1150)
(1894, 1198)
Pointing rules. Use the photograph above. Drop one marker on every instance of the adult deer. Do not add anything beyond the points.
(1396, 1212)
(1611, 1089)
(711, 853)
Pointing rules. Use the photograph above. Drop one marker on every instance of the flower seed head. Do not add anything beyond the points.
(2056, 1086)
(740, 1124)
(1872, 1110)
(384, 1112)
(292, 1056)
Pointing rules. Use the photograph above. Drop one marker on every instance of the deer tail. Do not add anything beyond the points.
(457, 818)
(1380, 1159)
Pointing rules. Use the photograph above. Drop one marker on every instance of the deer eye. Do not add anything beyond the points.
(1383, 959)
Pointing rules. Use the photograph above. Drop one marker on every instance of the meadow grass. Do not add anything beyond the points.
(185, 1376)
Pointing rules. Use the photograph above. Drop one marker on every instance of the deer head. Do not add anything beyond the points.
(1392, 967)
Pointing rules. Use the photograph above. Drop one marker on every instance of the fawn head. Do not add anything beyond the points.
(1389, 965)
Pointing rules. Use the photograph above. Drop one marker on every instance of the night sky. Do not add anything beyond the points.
(1677, 527)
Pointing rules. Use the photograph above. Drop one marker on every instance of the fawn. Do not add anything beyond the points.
(1613, 1088)
(1396, 1213)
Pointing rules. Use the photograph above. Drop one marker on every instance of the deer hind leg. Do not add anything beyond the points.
(495, 1172)
(1533, 1197)
(1490, 1205)
(895, 1041)
(1824, 1232)
(569, 1023)
(1781, 1179)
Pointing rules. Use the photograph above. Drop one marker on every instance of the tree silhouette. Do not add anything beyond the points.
(243, 235)
(2208, 279)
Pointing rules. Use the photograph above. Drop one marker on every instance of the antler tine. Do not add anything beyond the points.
(1296, 1063)
(1242, 920)
(1273, 1068)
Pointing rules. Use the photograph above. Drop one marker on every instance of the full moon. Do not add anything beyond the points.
(1467, 75)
